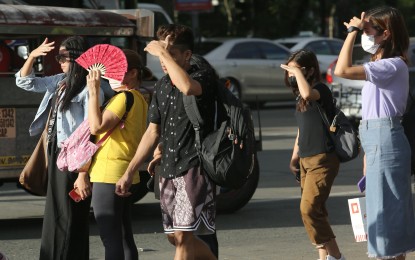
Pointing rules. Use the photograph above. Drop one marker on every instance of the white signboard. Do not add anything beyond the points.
(357, 209)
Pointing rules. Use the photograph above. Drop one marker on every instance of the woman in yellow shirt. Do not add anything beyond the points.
(113, 213)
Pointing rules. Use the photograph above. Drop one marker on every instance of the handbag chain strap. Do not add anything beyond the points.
(323, 115)
(325, 121)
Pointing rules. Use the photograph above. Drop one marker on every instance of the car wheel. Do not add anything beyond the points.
(231, 200)
(140, 190)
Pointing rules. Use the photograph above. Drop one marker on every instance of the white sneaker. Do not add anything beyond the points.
(329, 257)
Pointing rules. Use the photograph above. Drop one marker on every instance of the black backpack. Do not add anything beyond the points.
(408, 123)
(224, 161)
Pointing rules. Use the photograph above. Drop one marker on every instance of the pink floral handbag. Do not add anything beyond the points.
(77, 151)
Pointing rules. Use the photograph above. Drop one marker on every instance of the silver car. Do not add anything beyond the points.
(326, 49)
(253, 67)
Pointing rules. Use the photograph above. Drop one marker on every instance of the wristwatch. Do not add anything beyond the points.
(352, 29)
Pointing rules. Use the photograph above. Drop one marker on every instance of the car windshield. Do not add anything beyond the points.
(205, 47)
(288, 44)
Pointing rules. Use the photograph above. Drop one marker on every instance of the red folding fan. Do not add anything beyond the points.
(109, 59)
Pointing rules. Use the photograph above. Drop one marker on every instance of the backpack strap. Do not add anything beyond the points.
(128, 104)
(129, 101)
(194, 116)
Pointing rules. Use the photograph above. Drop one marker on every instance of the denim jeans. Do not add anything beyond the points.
(317, 176)
(389, 206)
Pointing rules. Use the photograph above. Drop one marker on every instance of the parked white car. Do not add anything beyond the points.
(326, 49)
(253, 67)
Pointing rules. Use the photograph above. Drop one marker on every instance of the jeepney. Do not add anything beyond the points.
(23, 28)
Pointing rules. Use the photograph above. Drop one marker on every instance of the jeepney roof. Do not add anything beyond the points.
(47, 20)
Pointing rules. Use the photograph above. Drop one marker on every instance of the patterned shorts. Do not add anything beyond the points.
(188, 203)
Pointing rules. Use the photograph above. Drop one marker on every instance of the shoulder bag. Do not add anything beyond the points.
(343, 135)
(34, 176)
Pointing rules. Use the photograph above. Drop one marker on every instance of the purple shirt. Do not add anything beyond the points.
(385, 91)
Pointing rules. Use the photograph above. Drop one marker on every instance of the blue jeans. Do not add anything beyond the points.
(389, 206)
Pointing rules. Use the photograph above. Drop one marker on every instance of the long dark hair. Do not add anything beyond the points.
(308, 60)
(76, 77)
(389, 18)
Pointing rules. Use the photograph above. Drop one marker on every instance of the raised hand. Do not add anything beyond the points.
(356, 22)
(156, 48)
(43, 49)
(93, 80)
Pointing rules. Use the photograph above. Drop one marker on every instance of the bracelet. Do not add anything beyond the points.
(352, 29)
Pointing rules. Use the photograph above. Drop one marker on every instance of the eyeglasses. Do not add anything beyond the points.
(61, 58)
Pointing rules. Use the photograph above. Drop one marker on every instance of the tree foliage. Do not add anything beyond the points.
(281, 18)
(272, 18)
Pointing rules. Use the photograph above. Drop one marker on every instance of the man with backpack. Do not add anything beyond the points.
(187, 195)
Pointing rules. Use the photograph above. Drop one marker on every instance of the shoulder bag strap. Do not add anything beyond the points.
(325, 120)
(323, 115)
(53, 106)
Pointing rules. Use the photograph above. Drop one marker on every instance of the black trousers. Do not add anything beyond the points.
(113, 217)
(65, 231)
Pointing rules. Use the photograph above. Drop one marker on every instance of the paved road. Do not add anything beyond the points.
(269, 227)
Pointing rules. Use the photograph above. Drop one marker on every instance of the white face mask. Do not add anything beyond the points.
(116, 84)
(368, 43)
